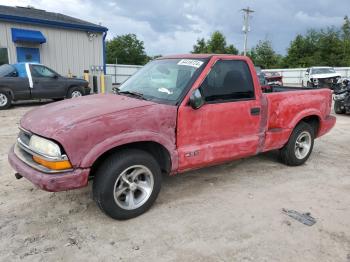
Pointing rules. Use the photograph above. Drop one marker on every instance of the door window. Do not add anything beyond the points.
(228, 80)
(42, 71)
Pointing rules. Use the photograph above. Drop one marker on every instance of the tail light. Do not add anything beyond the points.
(328, 110)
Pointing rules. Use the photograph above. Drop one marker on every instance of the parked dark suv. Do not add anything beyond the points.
(27, 81)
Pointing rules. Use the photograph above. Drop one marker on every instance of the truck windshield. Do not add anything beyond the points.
(323, 70)
(7, 70)
(163, 80)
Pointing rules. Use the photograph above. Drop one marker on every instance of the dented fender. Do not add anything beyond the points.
(128, 138)
(303, 114)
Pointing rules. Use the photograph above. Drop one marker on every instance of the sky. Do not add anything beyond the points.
(170, 27)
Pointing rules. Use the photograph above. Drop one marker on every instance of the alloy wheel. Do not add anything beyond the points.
(3, 100)
(76, 94)
(302, 145)
(133, 187)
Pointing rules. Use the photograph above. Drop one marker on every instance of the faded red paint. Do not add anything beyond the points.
(50, 182)
(227, 131)
(219, 132)
(90, 126)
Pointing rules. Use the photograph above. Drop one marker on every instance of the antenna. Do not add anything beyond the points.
(246, 28)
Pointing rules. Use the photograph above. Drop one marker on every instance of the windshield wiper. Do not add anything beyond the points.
(131, 93)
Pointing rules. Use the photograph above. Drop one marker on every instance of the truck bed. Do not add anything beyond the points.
(276, 88)
(285, 104)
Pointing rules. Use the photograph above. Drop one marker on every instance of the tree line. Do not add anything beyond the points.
(324, 47)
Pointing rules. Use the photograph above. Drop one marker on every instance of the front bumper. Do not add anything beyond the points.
(326, 125)
(87, 91)
(76, 178)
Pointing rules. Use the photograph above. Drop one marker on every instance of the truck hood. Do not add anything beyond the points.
(87, 127)
(62, 116)
(330, 75)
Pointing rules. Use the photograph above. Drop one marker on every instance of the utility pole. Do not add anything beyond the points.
(247, 11)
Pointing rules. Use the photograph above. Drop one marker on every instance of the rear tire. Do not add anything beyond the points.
(337, 108)
(127, 183)
(5, 100)
(299, 146)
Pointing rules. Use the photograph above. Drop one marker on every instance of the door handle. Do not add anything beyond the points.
(255, 111)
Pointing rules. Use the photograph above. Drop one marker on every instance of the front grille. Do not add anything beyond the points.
(24, 136)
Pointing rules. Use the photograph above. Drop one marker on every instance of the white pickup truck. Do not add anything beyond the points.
(320, 76)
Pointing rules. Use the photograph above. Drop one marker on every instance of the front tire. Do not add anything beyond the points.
(337, 107)
(127, 183)
(5, 100)
(75, 92)
(299, 146)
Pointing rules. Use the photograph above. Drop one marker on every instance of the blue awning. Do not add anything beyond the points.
(24, 35)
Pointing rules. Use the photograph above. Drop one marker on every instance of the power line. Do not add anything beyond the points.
(246, 28)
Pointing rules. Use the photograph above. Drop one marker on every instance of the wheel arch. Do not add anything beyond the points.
(8, 91)
(313, 119)
(157, 150)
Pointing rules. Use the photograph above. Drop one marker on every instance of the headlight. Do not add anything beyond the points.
(44, 146)
(47, 149)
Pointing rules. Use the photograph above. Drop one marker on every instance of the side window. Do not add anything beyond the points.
(228, 80)
(14, 73)
(42, 71)
(8, 71)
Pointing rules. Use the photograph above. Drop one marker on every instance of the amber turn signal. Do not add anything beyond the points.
(54, 165)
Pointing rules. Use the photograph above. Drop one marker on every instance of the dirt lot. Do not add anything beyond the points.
(230, 212)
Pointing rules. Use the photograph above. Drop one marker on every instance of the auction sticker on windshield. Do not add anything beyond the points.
(190, 62)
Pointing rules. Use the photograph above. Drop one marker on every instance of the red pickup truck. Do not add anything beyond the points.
(177, 113)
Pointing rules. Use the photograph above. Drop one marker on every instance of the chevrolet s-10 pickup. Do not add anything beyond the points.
(177, 113)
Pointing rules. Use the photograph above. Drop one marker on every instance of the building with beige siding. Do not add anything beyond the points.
(66, 44)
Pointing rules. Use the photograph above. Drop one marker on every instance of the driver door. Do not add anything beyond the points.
(227, 126)
(46, 83)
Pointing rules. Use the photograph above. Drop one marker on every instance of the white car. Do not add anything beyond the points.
(319, 76)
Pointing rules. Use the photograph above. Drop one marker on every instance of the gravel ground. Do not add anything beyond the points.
(230, 212)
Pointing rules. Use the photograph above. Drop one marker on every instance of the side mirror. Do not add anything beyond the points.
(196, 99)
(55, 76)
